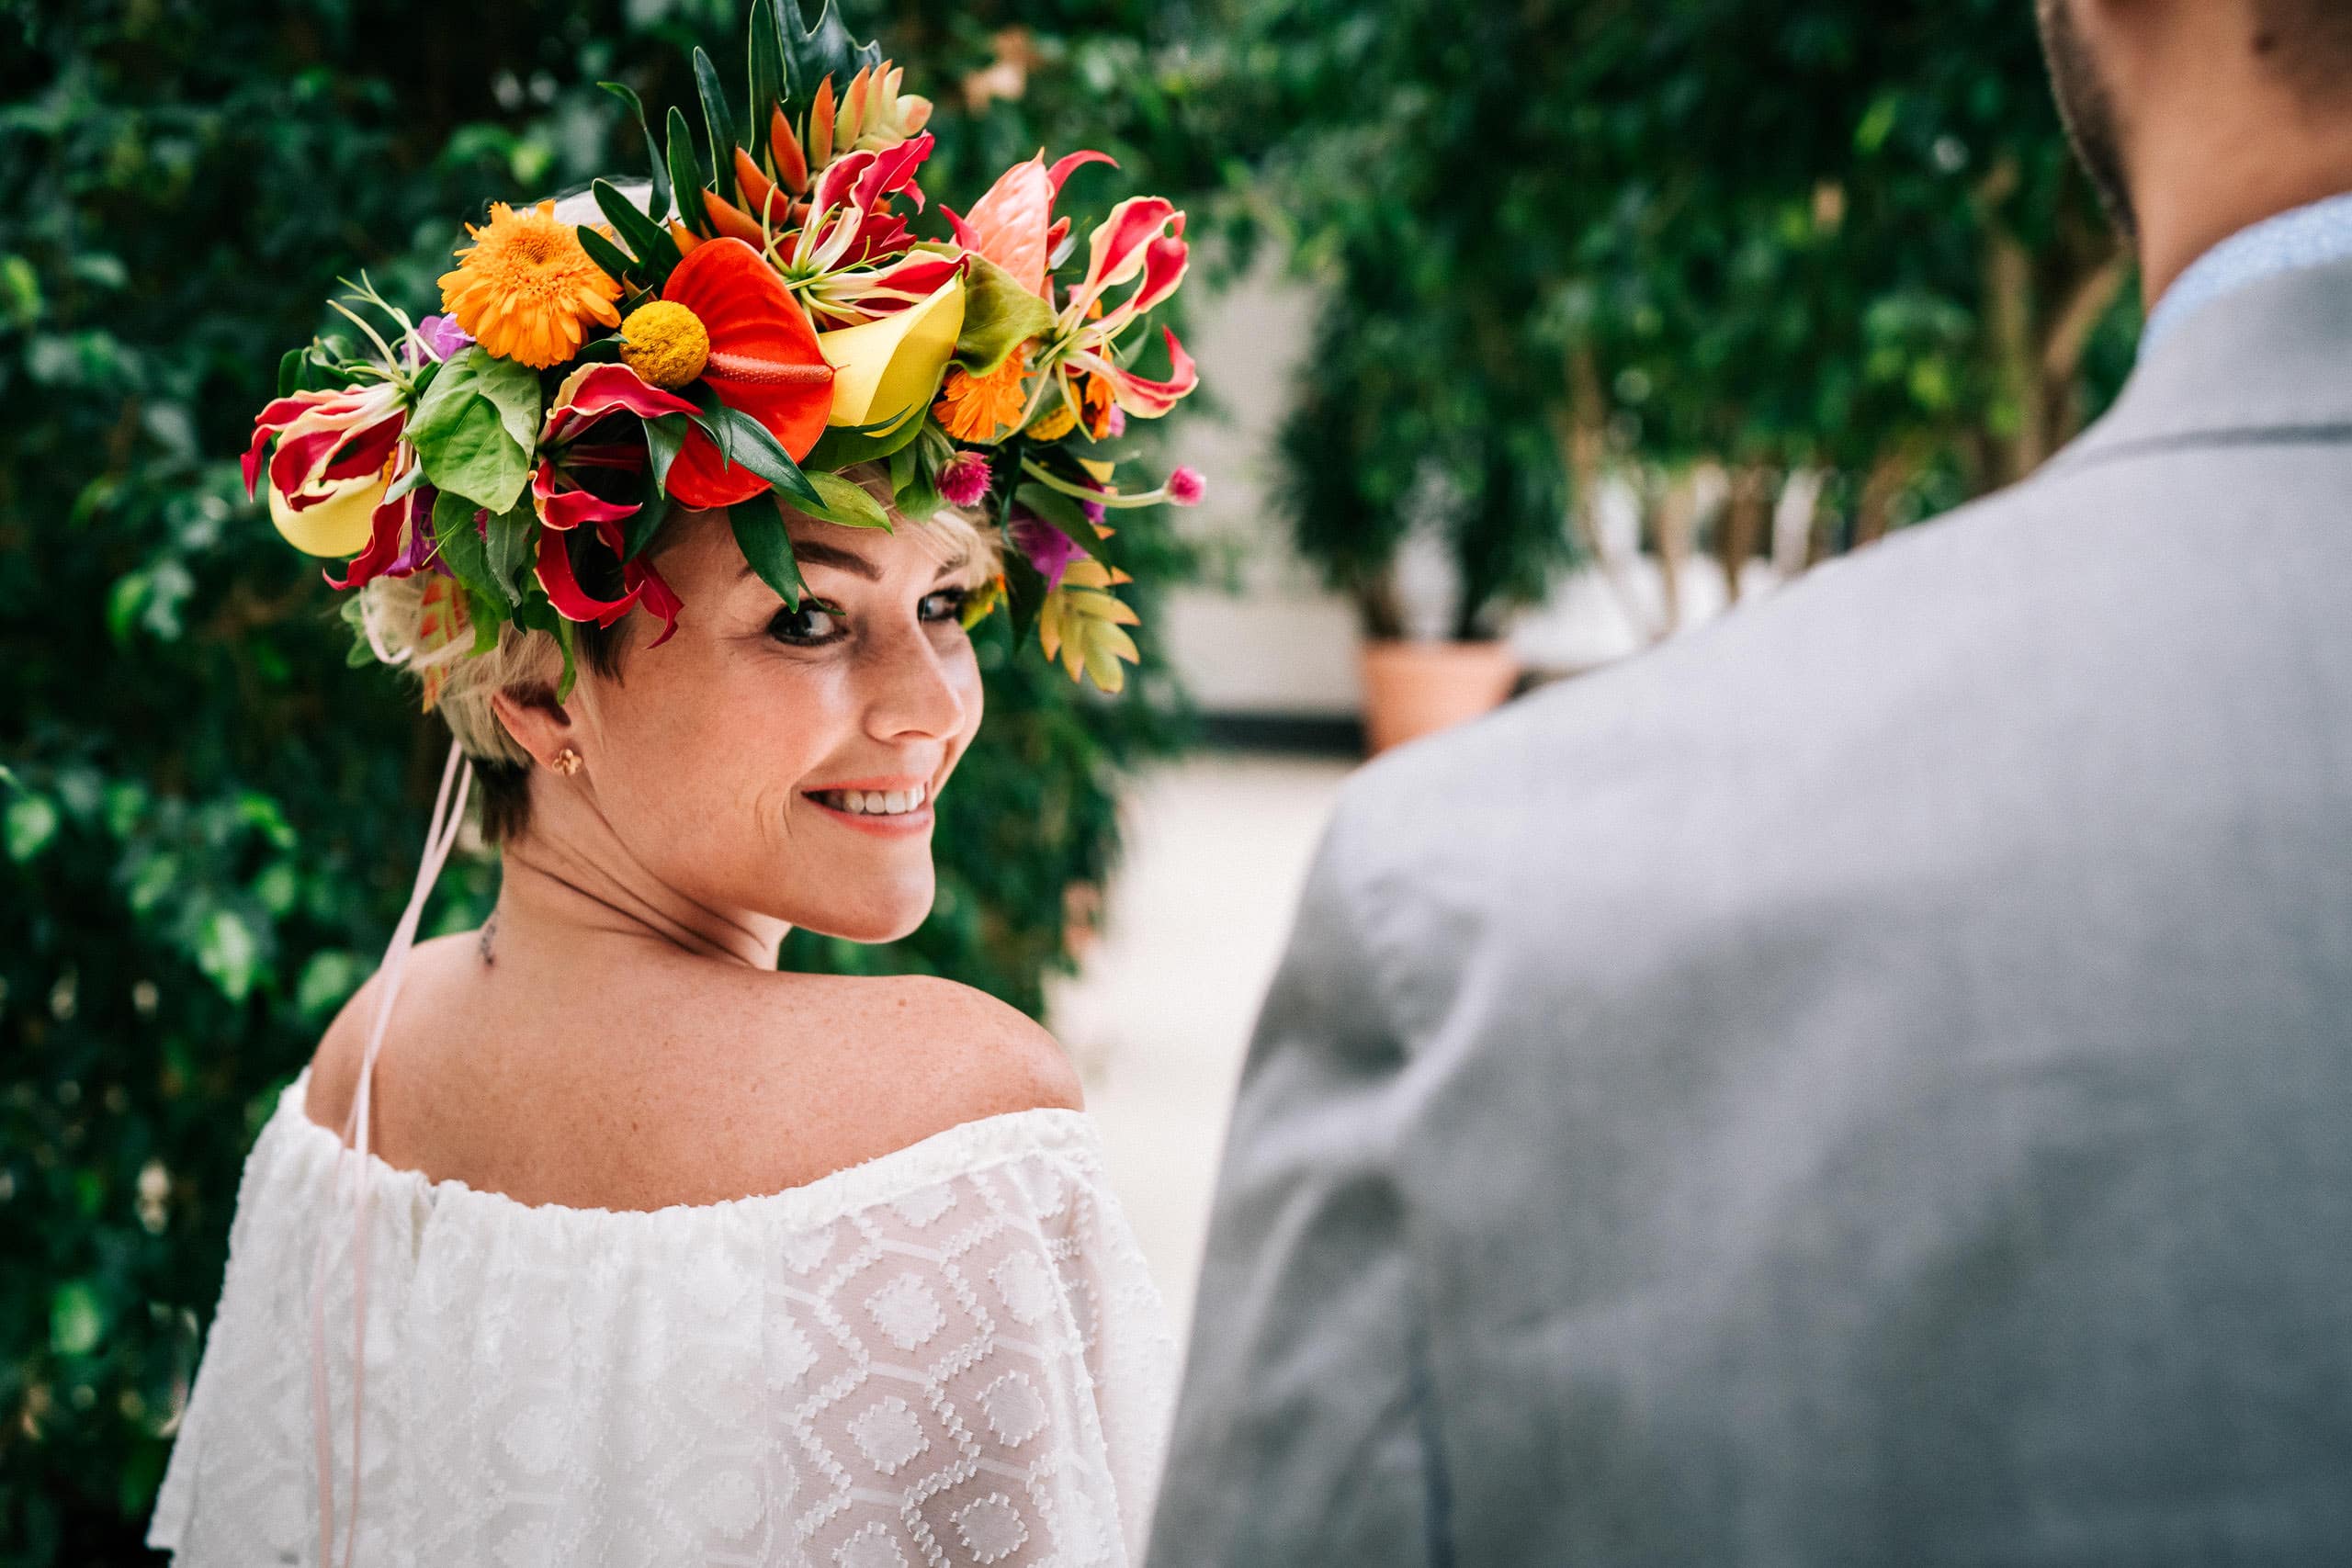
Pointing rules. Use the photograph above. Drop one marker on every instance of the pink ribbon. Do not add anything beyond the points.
(447, 816)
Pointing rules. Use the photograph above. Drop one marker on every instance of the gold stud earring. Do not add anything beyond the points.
(567, 762)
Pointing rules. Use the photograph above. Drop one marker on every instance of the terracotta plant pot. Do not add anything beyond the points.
(1412, 689)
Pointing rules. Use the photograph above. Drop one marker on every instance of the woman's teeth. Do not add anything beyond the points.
(873, 802)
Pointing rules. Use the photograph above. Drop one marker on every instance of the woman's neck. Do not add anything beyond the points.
(569, 877)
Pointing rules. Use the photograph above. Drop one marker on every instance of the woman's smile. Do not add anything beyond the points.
(894, 807)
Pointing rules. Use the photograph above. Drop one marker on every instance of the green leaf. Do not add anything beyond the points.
(465, 552)
(846, 503)
(719, 125)
(766, 54)
(28, 825)
(75, 1322)
(476, 426)
(998, 317)
(1024, 595)
(328, 980)
(227, 953)
(685, 173)
(767, 544)
(744, 442)
(654, 252)
(512, 547)
(289, 371)
(564, 635)
(661, 192)
(609, 257)
(664, 436)
(811, 54)
(645, 523)
(842, 446)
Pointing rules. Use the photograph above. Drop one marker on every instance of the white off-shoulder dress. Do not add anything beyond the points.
(950, 1355)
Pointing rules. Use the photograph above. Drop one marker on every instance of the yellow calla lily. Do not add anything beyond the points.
(884, 368)
(341, 526)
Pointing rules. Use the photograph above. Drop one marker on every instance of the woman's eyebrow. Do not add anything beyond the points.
(811, 552)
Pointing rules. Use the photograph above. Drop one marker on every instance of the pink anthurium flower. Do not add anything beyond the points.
(1013, 224)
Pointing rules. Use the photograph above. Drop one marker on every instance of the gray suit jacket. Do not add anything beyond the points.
(1870, 1083)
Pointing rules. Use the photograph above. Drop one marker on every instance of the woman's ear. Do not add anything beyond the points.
(537, 722)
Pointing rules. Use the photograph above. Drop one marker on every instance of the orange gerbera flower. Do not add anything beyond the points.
(525, 289)
(974, 408)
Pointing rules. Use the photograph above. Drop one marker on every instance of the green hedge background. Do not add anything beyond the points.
(1550, 240)
(211, 821)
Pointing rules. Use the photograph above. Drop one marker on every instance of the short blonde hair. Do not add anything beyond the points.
(528, 663)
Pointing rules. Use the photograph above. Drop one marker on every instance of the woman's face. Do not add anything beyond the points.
(781, 762)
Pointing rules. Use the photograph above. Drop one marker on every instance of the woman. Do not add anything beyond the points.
(676, 1254)
(591, 1236)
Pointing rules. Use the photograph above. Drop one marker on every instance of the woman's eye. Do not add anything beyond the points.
(814, 622)
(947, 604)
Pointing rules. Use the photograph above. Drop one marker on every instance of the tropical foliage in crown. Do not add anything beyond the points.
(764, 317)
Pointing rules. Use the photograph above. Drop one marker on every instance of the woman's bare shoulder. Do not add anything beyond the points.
(940, 1045)
(335, 1066)
(694, 1084)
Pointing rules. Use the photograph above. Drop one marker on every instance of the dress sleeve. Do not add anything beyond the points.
(1305, 1430)
(1005, 1376)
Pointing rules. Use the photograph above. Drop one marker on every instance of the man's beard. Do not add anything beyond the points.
(2088, 109)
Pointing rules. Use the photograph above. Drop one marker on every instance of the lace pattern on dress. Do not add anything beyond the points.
(953, 1354)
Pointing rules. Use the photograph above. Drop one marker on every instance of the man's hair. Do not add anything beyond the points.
(2308, 42)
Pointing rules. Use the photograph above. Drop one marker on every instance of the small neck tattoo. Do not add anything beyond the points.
(488, 934)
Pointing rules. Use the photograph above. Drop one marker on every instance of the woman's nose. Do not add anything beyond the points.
(912, 690)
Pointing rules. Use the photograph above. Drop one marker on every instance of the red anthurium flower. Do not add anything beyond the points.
(764, 361)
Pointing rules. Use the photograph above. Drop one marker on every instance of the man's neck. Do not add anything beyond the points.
(2218, 179)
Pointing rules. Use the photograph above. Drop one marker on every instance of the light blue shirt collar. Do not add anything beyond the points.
(2307, 236)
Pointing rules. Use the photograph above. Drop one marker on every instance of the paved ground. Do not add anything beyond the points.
(1217, 848)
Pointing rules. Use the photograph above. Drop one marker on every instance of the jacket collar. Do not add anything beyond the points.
(2271, 362)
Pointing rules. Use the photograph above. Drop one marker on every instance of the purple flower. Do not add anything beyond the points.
(965, 479)
(1048, 549)
(1095, 511)
(1185, 487)
(441, 337)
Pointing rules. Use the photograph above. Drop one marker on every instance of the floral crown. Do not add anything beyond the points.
(585, 381)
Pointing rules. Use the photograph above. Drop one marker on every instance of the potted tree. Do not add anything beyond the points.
(1382, 439)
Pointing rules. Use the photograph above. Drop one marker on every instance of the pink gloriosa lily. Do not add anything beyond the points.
(590, 397)
(851, 299)
(328, 442)
(851, 222)
(1142, 242)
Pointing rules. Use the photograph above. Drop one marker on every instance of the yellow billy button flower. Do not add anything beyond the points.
(665, 344)
(1054, 425)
